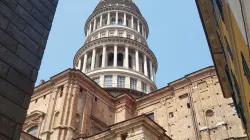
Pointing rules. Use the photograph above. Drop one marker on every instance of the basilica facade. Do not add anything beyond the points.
(111, 91)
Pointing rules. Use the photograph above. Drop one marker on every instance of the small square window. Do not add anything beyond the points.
(171, 115)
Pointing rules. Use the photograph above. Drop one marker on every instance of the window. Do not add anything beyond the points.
(151, 116)
(129, 36)
(103, 34)
(245, 68)
(171, 115)
(108, 81)
(100, 61)
(110, 59)
(113, 21)
(120, 21)
(111, 33)
(183, 96)
(120, 34)
(133, 83)
(124, 136)
(229, 50)
(209, 113)
(97, 80)
(143, 87)
(188, 105)
(120, 59)
(121, 81)
(33, 131)
(130, 62)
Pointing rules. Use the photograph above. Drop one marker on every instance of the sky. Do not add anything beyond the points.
(176, 37)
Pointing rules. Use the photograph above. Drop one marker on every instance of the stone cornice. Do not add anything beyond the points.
(116, 40)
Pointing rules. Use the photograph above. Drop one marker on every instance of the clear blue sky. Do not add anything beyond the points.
(176, 37)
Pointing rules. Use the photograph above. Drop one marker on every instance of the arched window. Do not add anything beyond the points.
(130, 62)
(56, 120)
(120, 59)
(110, 59)
(33, 131)
(78, 122)
(120, 21)
(113, 21)
(100, 61)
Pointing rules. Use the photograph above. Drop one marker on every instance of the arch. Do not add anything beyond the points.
(130, 62)
(120, 59)
(209, 113)
(56, 120)
(33, 130)
(78, 122)
(111, 59)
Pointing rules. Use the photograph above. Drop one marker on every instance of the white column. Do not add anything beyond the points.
(126, 57)
(115, 56)
(94, 24)
(101, 21)
(116, 17)
(151, 70)
(137, 60)
(90, 26)
(145, 65)
(124, 19)
(132, 22)
(104, 56)
(138, 28)
(154, 75)
(79, 64)
(85, 63)
(93, 59)
(108, 21)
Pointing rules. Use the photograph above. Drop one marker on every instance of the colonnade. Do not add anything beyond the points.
(146, 64)
(118, 18)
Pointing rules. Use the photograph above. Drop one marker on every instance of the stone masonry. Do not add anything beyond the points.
(24, 30)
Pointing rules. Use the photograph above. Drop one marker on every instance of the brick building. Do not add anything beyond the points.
(111, 92)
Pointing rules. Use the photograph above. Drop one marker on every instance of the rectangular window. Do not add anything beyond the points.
(121, 81)
(128, 36)
(108, 81)
(120, 34)
(151, 116)
(97, 80)
(188, 105)
(183, 96)
(171, 115)
(133, 83)
(229, 50)
(143, 87)
(245, 68)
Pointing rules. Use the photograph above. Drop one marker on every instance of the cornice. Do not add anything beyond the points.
(116, 40)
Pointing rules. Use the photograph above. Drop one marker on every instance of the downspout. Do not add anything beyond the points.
(194, 119)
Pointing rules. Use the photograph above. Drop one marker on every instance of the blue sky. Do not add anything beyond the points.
(176, 37)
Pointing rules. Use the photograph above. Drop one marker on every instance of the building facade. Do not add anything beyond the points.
(226, 24)
(111, 92)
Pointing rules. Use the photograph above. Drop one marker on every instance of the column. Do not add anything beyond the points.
(137, 60)
(138, 28)
(101, 21)
(145, 65)
(84, 63)
(115, 56)
(90, 26)
(94, 24)
(79, 64)
(154, 75)
(108, 21)
(104, 56)
(126, 57)
(151, 70)
(132, 22)
(93, 59)
(124, 19)
(116, 17)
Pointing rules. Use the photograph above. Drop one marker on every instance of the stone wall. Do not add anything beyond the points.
(24, 30)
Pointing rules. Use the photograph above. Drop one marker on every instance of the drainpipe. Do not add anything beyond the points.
(194, 119)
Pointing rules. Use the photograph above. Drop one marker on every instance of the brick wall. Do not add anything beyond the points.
(24, 30)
